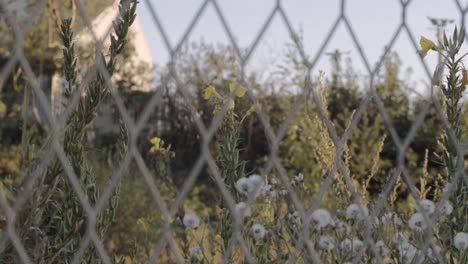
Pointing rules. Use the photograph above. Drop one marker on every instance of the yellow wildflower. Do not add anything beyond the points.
(156, 144)
(240, 92)
(209, 92)
(426, 45)
(231, 105)
(251, 109)
(155, 141)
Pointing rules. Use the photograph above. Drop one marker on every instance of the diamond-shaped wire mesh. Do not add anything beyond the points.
(56, 151)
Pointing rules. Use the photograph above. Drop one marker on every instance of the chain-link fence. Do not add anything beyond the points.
(60, 163)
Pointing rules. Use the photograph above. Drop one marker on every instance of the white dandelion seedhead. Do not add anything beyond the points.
(242, 210)
(391, 219)
(382, 248)
(191, 220)
(320, 219)
(251, 186)
(446, 208)
(427, 205)
(460, 241)
(417, 222)
(432, 254)
(357, 211)
(326, 242)
(242, 186)
(342, 227)
(353, 246)
(258, 231)
(407, 253)
(400, 238)
(346, 245)
(268, 191)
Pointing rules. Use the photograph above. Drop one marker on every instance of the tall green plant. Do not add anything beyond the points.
(55, 213)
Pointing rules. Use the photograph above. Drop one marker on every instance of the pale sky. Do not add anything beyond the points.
(374, 22)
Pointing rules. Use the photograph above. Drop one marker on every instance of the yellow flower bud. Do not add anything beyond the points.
(155, 141)
(209, 92)
(230, 104)
(240, 92)
(426, 45)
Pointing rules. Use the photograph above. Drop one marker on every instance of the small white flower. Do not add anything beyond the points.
(196, 250)
(273, 182)
(426, 205)
(382, 248)
(391, 219)
(326, 242)
(299, 178)
(191, 220)
(460, 241)
(321, 218)
(283, 192)
(242, 210)
(258, 231)
(357, 211)
(417, 222)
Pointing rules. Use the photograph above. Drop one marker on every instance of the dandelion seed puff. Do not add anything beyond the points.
(326, 242)
(417, 222)
(426, 205)
(258, 231)
(460, 241)
(196, 250)
(346, 244)
(447, 187)
(242, 186)
(446, 208)
(357, 211)
(432, 254)
(407, 252)
(358, 245)
(382, 248)
(242, 210)
(191, 220)
(255, 183)
(391, 219)
(342, 227)
(400, 238)
(321, 218)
